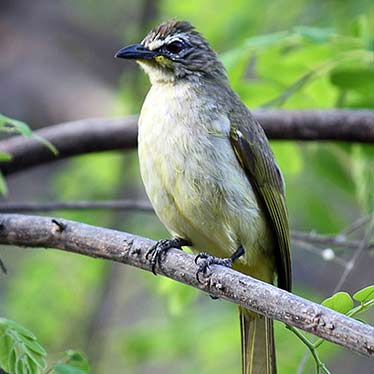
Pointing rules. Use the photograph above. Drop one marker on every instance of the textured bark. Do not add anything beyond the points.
(336, 124)
(34, 231)
(70, 139)
(95, 135)
(298, 237)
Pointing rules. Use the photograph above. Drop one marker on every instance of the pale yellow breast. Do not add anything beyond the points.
(192, 176)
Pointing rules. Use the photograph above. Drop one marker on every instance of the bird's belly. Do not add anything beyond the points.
(204, 198)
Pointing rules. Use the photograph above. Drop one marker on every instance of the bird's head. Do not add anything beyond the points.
(173, 51)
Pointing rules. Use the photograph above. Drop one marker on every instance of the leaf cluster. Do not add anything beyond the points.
(21, 353)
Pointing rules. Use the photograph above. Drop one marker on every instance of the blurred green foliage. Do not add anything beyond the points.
(291, 54)
(13, 126)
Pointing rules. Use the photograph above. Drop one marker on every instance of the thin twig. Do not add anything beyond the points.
(313, 249)
(319, 364)
(356, 255)
(339, 240)
(364, 243)
(356, 225)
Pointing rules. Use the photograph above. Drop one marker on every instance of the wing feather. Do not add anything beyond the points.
(255, 156)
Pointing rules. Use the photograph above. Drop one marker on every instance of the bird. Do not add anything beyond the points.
(210, 173)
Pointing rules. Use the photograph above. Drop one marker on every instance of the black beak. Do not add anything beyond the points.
(135, 52)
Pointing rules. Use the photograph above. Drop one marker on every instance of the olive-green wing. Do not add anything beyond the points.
(255, 156)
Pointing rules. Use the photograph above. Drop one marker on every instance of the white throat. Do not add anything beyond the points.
(155, 73)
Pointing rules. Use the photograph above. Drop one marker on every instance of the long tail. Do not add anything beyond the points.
(258, 349)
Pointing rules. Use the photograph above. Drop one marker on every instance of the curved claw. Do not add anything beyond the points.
(154, 255)
(204, 260)
(150, 252)
(200, 256)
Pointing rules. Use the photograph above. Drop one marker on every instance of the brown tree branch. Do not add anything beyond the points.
(70, 139)
(336, 124)
(339, 240)
(33, 231)
(95, 135)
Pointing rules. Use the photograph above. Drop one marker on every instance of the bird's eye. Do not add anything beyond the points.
(174, 47)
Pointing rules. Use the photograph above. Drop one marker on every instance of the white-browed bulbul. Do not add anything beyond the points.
(210, 173)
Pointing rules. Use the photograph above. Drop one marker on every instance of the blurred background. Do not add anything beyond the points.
(57, 64)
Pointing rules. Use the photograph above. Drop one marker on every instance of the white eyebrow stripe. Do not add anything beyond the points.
(173, 38)
(154, 44)
(157, 43)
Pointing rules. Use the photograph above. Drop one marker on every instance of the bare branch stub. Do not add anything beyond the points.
(338, 240)
(34, 231)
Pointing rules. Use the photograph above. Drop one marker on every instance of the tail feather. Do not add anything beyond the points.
(258, 348)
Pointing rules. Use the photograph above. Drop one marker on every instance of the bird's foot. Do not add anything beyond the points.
(205, 260)
(155, 254)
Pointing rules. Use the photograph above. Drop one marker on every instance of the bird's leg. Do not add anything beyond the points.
(162, 246)
(204, 260)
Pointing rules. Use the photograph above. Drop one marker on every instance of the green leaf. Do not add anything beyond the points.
(315, 34)
(340, 302)
(37, 358)
(361, 29)
(12, 361)
(362, 308)
(76, 359)
(267, 40)
(3, 186)
(20, 329)
(5, 347)
(366, 294)
(34, 346)
(14, 125)
(68, 369)
(360, 79)
(74, 355)
(22, 366)
(5, 157)
(33, 367)
(20, 353)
